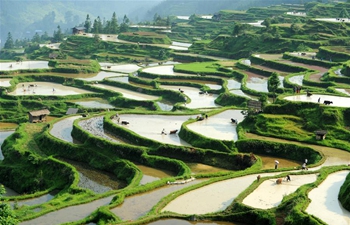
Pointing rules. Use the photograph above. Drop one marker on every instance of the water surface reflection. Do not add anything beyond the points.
(3, 135)
(140, 124)
(219, 126)
(324, 200)
(96, 103)
(197, 100)
(5, 82)
(143, 203)
(298, 80)
(128, 93)
(102, 75)
(63, 129)
(152, 174)
(233, 84)
(46, 88)
(337, 100)
(95, 180)
(257, 84)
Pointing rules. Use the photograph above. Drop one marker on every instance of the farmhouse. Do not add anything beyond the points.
(38, 116)
(78, 30)
(320, 134)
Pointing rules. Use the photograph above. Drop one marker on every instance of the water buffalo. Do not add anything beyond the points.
(326, 102)
(173, 132)
(124, 122)
(200, 118)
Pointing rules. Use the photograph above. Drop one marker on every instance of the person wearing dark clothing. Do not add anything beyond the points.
(288, 178)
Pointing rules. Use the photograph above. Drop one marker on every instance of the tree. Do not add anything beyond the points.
(107, 27)
(9, 41)
(97, 38)
(295, 28)
(124, 26)
(7, 215)
(239, 28)
(97, 27)
(168, 21)
(57, 35)
(114, 24)
(273, 83)
(45, 37)
(263, 99)
(36, 38)
(162, 54)
(87, 24)
(344, 13)
(267, 22)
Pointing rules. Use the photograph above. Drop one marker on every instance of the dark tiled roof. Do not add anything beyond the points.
(320, 132)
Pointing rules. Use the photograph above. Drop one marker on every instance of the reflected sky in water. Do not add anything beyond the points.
(3, 135)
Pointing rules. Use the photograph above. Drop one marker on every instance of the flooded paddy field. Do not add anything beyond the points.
(140, 124)
(3, 135)
(269, 162)
(24, 65)
(233, 84)
(143, 203)
(256, 82)
(94, 126)
(241, 93)
(336, 100)
(69, 214)
(128, 93)
(5, 82)
(121, 68)
(219, 194)
(324, 200)
(198, 100)
(298, 80)
(33, 201)
(344, 91)
(103, 75)
(219, 126)
(334, 156)
(164, 70)
(46, 88)
(269, 194)
(93, 103)
(212, 85)
(152, 174)
(63, 129)
(95, 180)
